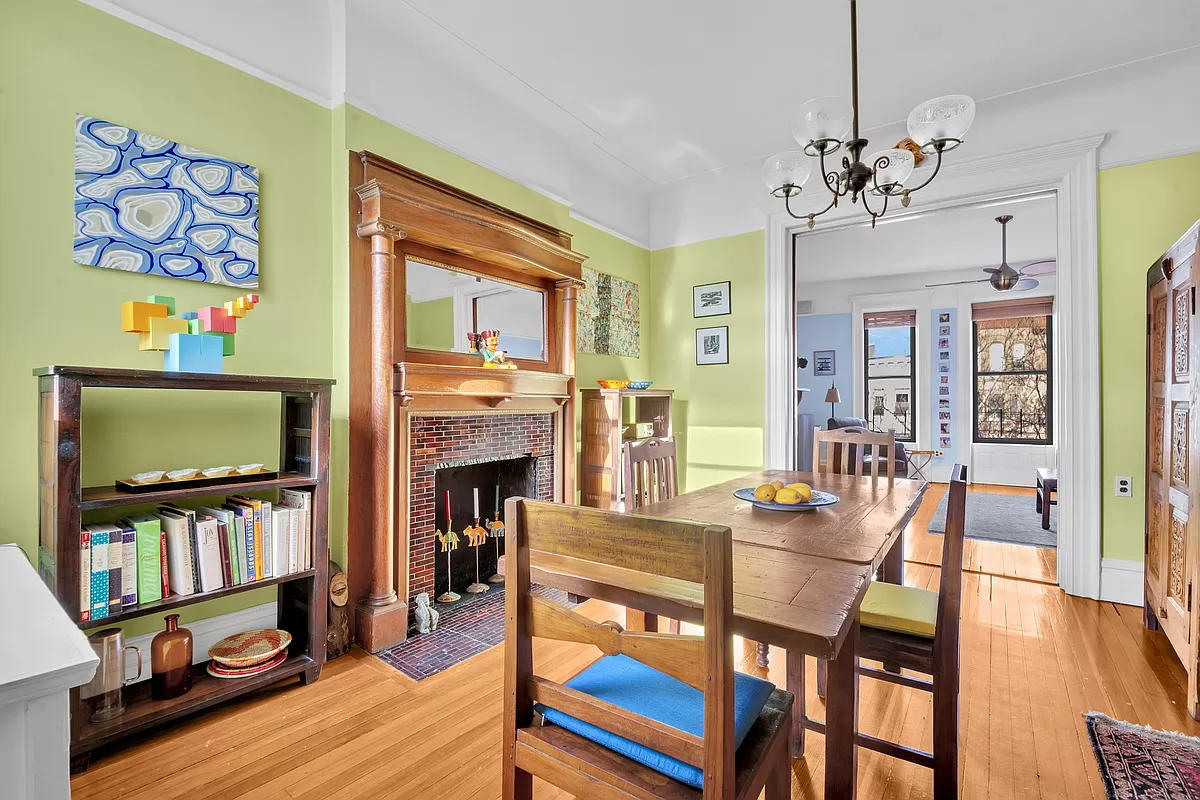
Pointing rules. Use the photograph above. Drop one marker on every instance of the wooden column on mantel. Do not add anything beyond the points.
(397, 214)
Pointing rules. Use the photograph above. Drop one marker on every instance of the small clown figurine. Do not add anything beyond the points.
(487, 344)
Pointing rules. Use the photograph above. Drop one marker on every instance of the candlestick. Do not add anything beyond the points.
(497, 498)
(475, 491)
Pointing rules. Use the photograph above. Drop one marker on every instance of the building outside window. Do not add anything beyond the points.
(1013, 372)
(890, 371)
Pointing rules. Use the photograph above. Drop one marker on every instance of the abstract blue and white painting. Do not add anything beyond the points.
(146, 204)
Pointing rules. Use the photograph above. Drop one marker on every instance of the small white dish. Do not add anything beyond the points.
(217, 472)
(249, 469)
(147, 477)
(182, 474)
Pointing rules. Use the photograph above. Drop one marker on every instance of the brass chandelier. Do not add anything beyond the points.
(934, 127)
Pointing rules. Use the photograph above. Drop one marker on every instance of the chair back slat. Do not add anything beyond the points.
(681, 657)
(651, 472)
(950, 593)
(688, 551)
(643, 730)
(672, 548)
(838, 445)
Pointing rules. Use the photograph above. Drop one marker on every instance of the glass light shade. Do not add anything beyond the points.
(791, 167)
(822, 118)
(947, 117)
(894, 166)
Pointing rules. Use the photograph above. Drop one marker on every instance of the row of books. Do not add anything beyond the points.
(181, 551)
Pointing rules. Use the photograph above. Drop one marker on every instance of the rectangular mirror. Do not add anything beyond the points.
(443, 305)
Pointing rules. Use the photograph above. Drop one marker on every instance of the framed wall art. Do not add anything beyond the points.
(711, 300)
(825, 363)
(146, 204)
(712, 345)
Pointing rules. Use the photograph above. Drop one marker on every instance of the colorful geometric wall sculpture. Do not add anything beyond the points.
(195, 341)
(146, 204)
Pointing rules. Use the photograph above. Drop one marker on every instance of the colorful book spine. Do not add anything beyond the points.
(268, 541)
(99, 574)
(235, 560)
(115, 564)
(148, 547)
(129, 567)
(226, 560)
(85, 575)
(162, 558)
(246, 515)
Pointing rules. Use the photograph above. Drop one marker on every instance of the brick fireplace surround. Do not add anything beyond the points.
(436, 442)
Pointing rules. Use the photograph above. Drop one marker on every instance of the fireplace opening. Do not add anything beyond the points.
(502, 478)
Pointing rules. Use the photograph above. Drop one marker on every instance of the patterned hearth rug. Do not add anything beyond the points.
(464, 630)
(1139, 763)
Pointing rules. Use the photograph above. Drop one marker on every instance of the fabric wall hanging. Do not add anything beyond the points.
(146, 204)
(608, 317)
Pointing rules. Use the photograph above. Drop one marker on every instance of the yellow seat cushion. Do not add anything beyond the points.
(902, 609)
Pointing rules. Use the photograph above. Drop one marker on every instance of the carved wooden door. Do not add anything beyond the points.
(1158, 443)
(1173, 529)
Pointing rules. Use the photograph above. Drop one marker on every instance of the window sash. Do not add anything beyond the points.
(1010, 309)
(1047, 373)
(910, 376)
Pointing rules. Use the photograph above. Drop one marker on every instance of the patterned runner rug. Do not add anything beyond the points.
(1139, 763)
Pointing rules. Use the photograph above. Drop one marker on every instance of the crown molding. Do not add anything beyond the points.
(605, 229)
(220, 55)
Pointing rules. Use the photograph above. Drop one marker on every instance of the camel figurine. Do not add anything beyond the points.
(449, 539)
(475, 535)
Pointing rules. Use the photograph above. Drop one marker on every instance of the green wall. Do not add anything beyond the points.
(1144, 209)
(719, 409)
(430, 324)
(60, 57)
(60, 312)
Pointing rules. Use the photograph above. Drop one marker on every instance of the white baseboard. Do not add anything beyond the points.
(206, 633)
(1122, 581)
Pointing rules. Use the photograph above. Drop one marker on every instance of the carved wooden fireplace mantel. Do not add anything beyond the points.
(399, 213)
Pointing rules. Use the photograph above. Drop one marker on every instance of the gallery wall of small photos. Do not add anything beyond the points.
(945, 407)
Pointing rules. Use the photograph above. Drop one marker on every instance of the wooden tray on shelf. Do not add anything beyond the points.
(193, 483)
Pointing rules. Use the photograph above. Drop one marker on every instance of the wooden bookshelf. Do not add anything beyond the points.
(302, 596)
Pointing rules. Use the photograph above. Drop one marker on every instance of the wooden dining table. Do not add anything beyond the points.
(799, 579)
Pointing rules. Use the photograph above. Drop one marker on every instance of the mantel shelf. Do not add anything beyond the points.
(495, 387)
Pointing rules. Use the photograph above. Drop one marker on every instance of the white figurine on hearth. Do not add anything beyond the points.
(427, 615)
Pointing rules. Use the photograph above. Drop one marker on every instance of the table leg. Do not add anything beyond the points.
(764, 654)
(795, 685)
(841, 722)
(893, 562)
(1046, 508)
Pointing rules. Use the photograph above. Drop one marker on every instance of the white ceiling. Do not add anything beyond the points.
(936, 241)
(677, 87)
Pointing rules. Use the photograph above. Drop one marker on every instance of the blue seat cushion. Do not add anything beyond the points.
(633, 686)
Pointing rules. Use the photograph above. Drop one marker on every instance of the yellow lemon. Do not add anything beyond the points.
(765, 492)
(788, 497)
(777, 484)
(802, 489)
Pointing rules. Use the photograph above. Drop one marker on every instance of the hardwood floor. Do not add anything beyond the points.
(1034, 660)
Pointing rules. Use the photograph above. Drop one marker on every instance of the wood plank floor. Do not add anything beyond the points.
(1034, 660)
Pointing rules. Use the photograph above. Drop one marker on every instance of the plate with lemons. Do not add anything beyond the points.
(778, 496)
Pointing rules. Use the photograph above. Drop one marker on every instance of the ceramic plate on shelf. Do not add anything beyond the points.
(819, 499)
(249, 648)
(218, 671)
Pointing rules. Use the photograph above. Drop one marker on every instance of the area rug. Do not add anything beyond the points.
(464, 630)
(1002, 518)
(1139, 763)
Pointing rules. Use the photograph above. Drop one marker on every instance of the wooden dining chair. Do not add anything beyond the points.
(651, 472)
(657, 715)
(918, 629)
(846, 451)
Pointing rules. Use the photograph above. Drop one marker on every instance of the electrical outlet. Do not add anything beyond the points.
(1124, 486)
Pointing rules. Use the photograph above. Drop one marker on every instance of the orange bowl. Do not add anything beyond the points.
(613, 384)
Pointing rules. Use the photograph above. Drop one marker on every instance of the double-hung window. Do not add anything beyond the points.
(890, 371)
(1013, 366)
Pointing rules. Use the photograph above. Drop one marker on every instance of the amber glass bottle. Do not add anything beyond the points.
(171, 661)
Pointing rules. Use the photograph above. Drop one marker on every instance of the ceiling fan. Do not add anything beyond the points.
(1004, 278)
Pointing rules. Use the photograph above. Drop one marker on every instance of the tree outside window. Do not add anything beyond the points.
(1013, 378)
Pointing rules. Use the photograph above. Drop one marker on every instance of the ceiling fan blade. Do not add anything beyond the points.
(955, 283)
(1046, 267)
(1025, 284)
(991, 270)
